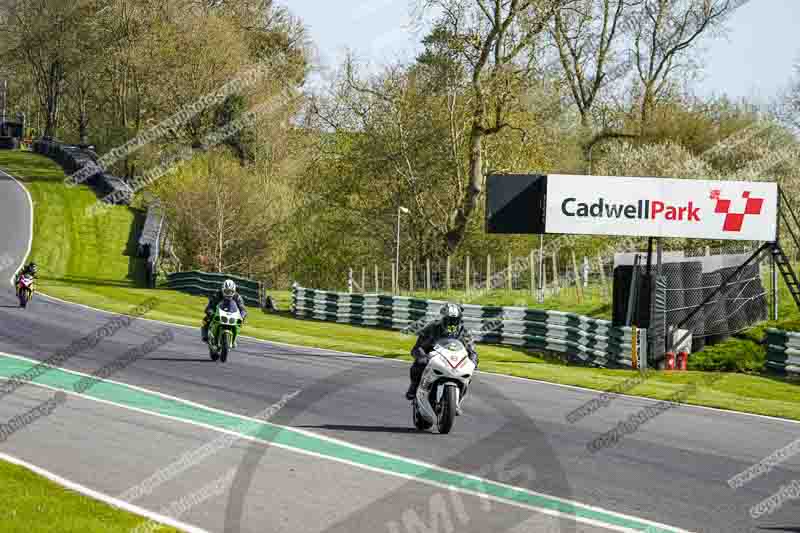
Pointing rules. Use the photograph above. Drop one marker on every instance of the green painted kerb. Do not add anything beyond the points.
(129, 397)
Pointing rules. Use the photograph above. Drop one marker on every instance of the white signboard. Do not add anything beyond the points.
(661, 207)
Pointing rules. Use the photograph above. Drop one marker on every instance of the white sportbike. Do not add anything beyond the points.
(442, 386)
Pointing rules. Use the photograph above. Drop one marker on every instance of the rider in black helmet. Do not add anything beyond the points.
(451, 324)
(30, 269)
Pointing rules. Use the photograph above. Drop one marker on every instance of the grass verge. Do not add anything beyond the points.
(33, 504)
(105, 275)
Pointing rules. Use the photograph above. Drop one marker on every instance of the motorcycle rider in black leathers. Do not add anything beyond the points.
(228, 291)
(450, 325)
(30, 269)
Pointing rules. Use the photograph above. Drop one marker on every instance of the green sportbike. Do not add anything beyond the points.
(223, 330)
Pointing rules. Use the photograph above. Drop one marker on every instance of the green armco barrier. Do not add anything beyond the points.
(589, 340)
(206, 283)
(783, 352)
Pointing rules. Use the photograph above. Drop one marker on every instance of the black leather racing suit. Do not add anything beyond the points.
(425, 342)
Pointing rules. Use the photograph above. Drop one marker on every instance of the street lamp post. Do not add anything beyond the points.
(5, 92)
(400, 210)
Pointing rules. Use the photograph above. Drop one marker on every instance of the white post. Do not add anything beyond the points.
(585, 271)
(400, 209)
(533, 273)
(5, 92)
(428, 274)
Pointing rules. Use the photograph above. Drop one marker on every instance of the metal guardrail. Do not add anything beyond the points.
(150, 240)
(206, 283)
(783, 352)
(74, 158)
(588, 340)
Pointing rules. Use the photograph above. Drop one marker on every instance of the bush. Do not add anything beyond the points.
(735, 355)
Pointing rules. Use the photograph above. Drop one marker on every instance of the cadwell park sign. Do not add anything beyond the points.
(632, 206)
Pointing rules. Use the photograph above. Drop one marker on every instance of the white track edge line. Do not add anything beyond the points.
(262, 341)
(30, 229)
(308, 434)
(105, 498)
(365, 467)
(405, 363)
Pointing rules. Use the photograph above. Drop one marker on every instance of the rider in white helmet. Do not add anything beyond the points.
(227, 292)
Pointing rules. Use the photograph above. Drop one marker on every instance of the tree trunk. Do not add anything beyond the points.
(83, 125)
(53, 94)
(647, 105)
(455, 236)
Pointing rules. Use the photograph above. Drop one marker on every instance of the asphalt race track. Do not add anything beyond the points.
(672, 471)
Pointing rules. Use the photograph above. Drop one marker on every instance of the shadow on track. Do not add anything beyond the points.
(178, 359)
(367, 429)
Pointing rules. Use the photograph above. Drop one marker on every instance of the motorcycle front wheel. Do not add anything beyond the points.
(23, 299)
(448, 411)
(226, 346)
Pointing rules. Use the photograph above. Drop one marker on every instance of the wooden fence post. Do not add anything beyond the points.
(556, 280)
(578, 288)
(448, 274)
(377, 283)
(411, 276)
(466, 281)
(585, 272)
(394, 278)
(531, 262)
(509, 274)
(544, 278)
(363, 279)
(488, 271)
(603, 281)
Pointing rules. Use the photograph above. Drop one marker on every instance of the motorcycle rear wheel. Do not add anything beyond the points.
(419, 422)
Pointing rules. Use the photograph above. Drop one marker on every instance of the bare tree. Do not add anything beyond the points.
(587, 36)
(488, 38)
(789, 108)
(662, 33)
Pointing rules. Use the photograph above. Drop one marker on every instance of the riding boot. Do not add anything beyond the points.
(415, 374)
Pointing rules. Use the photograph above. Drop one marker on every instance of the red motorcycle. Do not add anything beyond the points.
(25, 290)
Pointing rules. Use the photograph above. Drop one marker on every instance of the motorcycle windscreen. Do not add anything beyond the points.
(229, 306)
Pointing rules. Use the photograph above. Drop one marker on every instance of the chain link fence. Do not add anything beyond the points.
(694, 275)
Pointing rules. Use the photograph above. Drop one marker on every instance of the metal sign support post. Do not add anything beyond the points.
(633, 295)
(541, 268)
(774, 261)
(774, 283)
